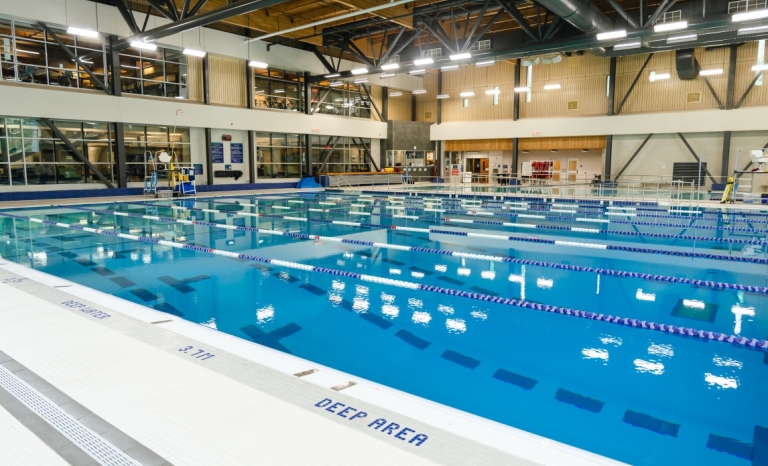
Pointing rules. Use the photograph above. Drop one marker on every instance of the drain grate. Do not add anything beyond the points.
(95, 446)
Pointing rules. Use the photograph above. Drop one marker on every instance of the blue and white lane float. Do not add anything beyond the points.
(442, 252)
(699, 255)
(736, 340)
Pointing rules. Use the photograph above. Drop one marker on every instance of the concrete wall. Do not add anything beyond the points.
(408, 135)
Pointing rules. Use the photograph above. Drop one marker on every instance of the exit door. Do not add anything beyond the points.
(573, 169)
(484, 170)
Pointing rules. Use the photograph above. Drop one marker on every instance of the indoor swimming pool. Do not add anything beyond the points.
(632, 330)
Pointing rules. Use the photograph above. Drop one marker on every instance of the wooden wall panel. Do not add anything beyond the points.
(195, 78)
(376, 97)
(746, 58)
(228, 83)
(426, 104)
(478, 145)
(478, 80)
(400, 107)
(672, 93)
(562, 143)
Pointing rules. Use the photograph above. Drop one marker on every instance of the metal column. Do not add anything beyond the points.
(206, 82)
(308, 152)
(248, 85)
(516, 98)
(385, 104)
(413, 107)
(612, 87)
(251, 157)
(608, 156)
(119, 153)
(731, 78)
(515, 156)
(208, 157)
(439, 92)
(724, 167)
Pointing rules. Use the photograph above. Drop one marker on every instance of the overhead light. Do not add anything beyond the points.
(485, 63)
(460, 56)
(443, 96)
(628, 45)
(752, 30)
(330, 107)
(760, 68)
(338, 100)
(467, 94)
(279, 91)
(386, 75)
(144, 45)
(257, 64)
(193, 52)
(357, 71)
(82, 32)
(684, 38)
(523, 89)
(711, 72)
(758, 14)
(260, 91)
(419, 71)
(395, 94)
(420, 91)
(423, 61)
(336, 84)
(27, 51)
(492, 92)
(360, 80)
(658, 77)
(332, 75)
(85, 60)
(551, 87)
(449, 67)
(670, 26)
(135, 68)
(391, 66)
(612, 35)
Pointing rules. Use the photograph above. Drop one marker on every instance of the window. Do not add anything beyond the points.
(29, 55)
(671, 17)
(280, 89)
(144, 143)
(481, 45)
(341, 154)
(279, 155)
(395, 59)
(161, 72)
(496, 96)
(432, 53)
(466, 103)
(746, 5)
(30, 154)
(347, 99)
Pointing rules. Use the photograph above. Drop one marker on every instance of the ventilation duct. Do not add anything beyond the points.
(685, 64)
(582, 15)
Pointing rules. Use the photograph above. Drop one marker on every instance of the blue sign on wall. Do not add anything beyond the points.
(198, 168)
(217, 152)
(236, 152)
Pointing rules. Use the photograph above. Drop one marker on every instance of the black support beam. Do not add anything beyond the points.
(208, 157)
(127, 15)
(749, 88)
(709, 85)
(608, 157)
(75, 58)
(612, 86)
(119, 153)
(695, 156)
(648, 138)
(77, 154)
(516, 97)
(726, 160)
(251, 156)
(729, 93)
(634, 83)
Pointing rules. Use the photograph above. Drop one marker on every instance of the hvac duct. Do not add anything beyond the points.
(582, 15)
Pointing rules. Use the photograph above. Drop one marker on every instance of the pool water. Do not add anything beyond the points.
(633, 394)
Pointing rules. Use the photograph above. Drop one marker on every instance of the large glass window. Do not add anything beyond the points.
(341, 98)
(143, 144)
(161, 72)
(280, 89)
(340, 155)
(28, 54)
(30, 154)
(278, 155)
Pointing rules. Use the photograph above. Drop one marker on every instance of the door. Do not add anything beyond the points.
(484, 170)
(573, 169)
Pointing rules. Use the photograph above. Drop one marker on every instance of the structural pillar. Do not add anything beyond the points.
(248, 85)
(208, 158)
(515, 157)
(385, 104)
(206, 82)
(731, 78)
(726, 162)
(516, 98)
(612, 87)
(608, 156)
(251, 156)
(119, 154)
(413, 107)
(308, 156)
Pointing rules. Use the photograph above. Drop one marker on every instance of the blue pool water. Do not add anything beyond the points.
(637, 395)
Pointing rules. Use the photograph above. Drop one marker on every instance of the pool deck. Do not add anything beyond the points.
(120, 370)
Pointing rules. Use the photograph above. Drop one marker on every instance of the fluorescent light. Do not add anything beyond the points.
(460, 56)
(449, 67)
(420, 91)
(332, 75)
(684, 38)
(551, 87)
(423, 61)
(467, 94)
(82, 32)
(391, 66)
(671, 26)
(27, 51)
(338, 100)
(657, 77)
(711, 72)
(193, 52)
(750, 15)
(492, 92)
(279, 91)
(257, 64)
(628, 45)
(336, 84)
(360, 80)
(357, 71)
(443, 96)
(752, 30)
(760, 68)
(144, 45)
(612, 35)
(485, 63)
(522, 89)
(260, 91)
(386, 75)
(329, 107)
(419, 71)
(133, 67)
(395, 94)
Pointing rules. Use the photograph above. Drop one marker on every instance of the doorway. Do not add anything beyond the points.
(479, 169)
(572, 170)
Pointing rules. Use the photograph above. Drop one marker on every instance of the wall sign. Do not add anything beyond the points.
(236, 152)
(198, 168)
(217, 152)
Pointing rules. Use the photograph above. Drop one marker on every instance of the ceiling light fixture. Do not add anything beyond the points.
(658, 77)
(467, 94)
(758, 14)
(357, 71)
(386, 75)
(423, 61)
(332, 75)
(711, 72)
(551, 87)
(395, 94)
(612, 35)
(27, 51)
(522, 89)
(670, 26)
(449, 67)
(684, 38)
(420, 91)
(419, 71)
(760, 68)
(627, 45)
(144, 45)
(82, 32)
(391, 66)
(193, 52)
(485, 63)
(443, 96)
(329, 107)
(360, 80)
(752, 30)
(336, 84)
(492, 92)
(257, 64)
(460, 56)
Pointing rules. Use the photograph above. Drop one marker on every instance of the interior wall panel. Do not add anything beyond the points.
(228, 81)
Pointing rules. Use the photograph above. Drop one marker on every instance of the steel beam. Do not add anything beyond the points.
(709, 85)
(368, 154)
(633, 156)
(516, 97)
(623, 13)
(629, 91)
(693, 153)
(391, 46)
(119, 153)
(208, 157)
(657, 13)
(436, 31)
(608, 157)
(385, 104)
(515, 156)
(512, 10)
(479, 36)
(370, 98)
(160, 9)
(612, 86)
(75, 57)
(251, 156)
(197, 7)
(78, 155)
(550, 30)
(207, 81)
(324, 161)
(729, 93)
(749, 88)
(114, 67)
(439, 116)
(307, 101)
(321, 99)
(726, 160)
(321, 57)
(127, 15)
(185, 9)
